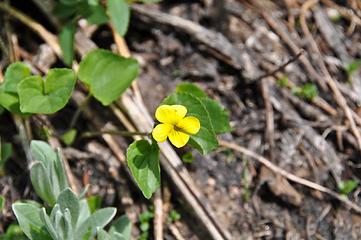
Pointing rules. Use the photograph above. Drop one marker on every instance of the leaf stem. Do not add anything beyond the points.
(79, 110)
(113, 132)
(24, 138)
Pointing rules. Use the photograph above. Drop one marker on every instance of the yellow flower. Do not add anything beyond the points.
(175, 125)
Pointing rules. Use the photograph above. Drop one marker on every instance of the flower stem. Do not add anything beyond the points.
(113, 132)
(79, 110)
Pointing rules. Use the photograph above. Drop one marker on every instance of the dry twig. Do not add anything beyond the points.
(288, 175)
(341, 101)
(281, 67)
(269, 116)
(48, 37)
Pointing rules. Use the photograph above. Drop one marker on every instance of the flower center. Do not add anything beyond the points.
(178, 129)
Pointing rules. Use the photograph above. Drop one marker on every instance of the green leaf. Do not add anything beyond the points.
(59, 224)
(9, 98)
(92, 10)
(49, 96)
(188, 157)
(2, 203)
(146, 216)
(68, 228)
(48, 174)
(346, 187)
(283, 82)
(13, 232)
(30, 222)
(353, 66)
(150, 1)
(205, 140)
(143, 162)
(10, 101)
(123, 226)
(42, 152)
(69, 136)
(71, 2)
(174, 216)
(308, 91)
(102, 217)
(49, 226)
(144, 226)
(99, 219)
(103, 235)
(41, 183)
(66, 40)
(107, 74)
(68, 200)
(13, 75)
(84, 212)
(191, 88)
(119, 13)
(94, 203)
(68, 12)
(59, 177)
(217, 113)
(97, 15)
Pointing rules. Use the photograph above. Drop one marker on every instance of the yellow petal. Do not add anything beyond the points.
(178, 139)
(161, 132)
(170, 114)
(190, 125)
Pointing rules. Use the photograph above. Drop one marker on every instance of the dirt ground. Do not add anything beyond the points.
(247, 40)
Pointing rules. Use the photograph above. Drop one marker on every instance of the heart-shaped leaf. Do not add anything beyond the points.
(205, 140)
(49, 96)
(107, 74)
(217, 113)
(13, 75)
(10, 101)
(143, 161)
(9, 98)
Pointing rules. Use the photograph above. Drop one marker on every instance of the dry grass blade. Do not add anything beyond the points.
(347, 13)
(48, 37)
